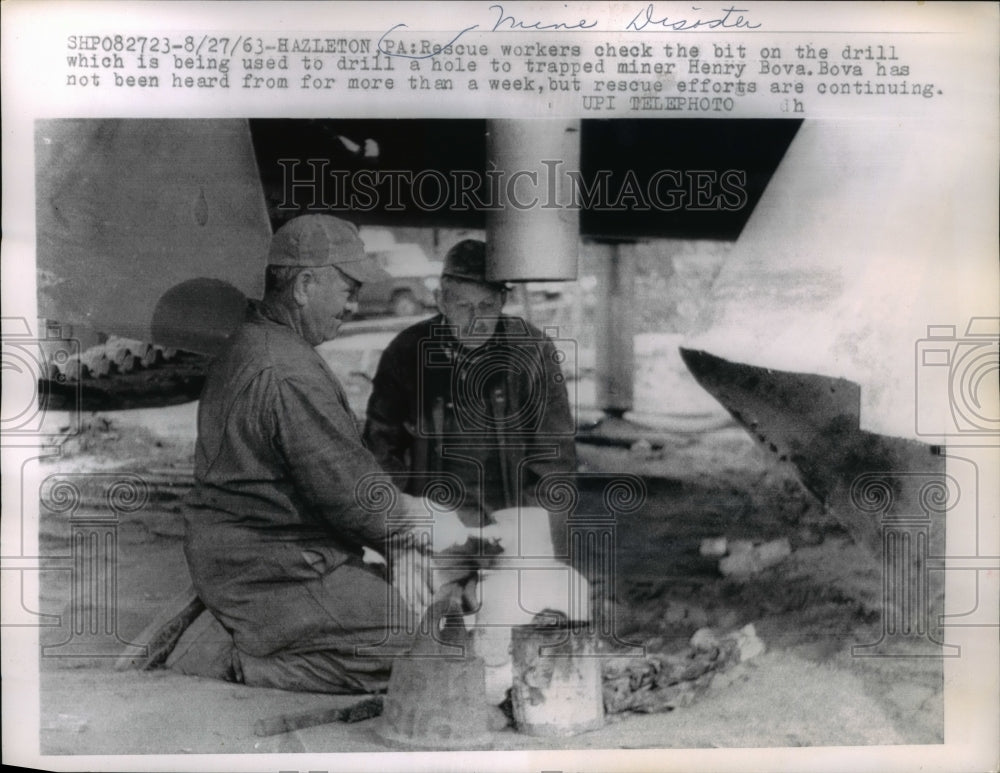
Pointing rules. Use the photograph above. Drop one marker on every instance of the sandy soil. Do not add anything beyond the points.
(810, 610)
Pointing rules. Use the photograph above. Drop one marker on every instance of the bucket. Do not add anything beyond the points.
(436, 695)
(436, 703)
(557, 680)
(512, 595)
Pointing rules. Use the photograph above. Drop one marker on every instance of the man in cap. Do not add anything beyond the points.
(474, 395)
(286, 496)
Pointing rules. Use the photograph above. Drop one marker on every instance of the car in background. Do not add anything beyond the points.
(410, 292)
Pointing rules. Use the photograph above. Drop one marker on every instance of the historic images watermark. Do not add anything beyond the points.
(538, 361)
(311, 185)
(957, 404)
(33, 372)
(911, 505)
(93, 504)
(583, 578)
(955, 401)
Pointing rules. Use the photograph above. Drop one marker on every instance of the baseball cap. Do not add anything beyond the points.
(324, 240)
(467, 260)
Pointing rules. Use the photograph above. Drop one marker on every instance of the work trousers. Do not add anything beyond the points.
(349, 648)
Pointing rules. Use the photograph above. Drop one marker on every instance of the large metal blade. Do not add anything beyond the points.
(812, 423)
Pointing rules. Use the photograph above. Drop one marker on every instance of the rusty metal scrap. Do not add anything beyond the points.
(662, 682)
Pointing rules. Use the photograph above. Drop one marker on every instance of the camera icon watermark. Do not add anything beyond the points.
(509, 386)
(956, 382)
(33, 380)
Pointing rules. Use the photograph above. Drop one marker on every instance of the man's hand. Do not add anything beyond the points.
(411, 574)
(412, 565)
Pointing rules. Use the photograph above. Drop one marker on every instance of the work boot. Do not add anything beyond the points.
(205, 649)
(162, 634)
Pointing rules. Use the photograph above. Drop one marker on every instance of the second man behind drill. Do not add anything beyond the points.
(473, 395)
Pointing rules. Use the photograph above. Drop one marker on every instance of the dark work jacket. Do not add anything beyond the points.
(276, 505)
(496, 418)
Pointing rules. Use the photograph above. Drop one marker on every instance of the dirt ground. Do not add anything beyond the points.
(806, 689)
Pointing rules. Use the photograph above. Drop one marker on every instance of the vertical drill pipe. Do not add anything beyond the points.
(533, 234)
(616, 333)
